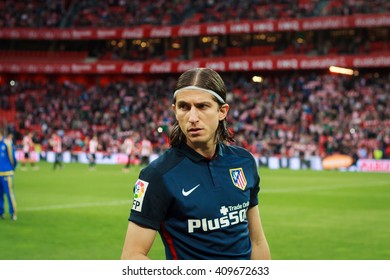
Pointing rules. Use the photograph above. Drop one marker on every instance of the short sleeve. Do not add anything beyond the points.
(151, 199)
(254, 200)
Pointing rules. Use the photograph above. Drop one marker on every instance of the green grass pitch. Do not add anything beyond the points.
(77, 214)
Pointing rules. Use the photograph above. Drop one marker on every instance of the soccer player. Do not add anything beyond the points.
(8, 164)
(201, 195)
(93, 145)
(128, 147)
(56, 144)
(28, 148)
(146, 148)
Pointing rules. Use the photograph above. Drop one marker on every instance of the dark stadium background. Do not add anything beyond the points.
(109, 67)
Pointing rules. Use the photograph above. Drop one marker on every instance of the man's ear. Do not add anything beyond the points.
(173, 108)
(223, 111)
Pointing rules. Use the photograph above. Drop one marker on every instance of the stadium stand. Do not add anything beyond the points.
(119, 13)
(92, 67)
(314, 114)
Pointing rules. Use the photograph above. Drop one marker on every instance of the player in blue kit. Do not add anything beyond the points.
(7, 167)
(201, 195)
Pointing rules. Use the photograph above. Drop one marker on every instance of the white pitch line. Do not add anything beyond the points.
(73, 206)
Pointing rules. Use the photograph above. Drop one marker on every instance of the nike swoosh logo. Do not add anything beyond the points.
(187, 193)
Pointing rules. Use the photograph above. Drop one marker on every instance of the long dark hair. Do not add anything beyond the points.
(208, 79)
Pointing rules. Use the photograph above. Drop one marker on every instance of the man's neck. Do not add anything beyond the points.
(207, 152)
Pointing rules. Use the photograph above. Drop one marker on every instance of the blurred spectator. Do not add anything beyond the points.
(285, 115)
(119, 13)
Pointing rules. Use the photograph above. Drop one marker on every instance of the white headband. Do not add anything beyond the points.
(213, 93)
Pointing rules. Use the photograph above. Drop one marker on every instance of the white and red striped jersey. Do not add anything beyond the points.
(28, 144)
(146, 147)
(56, 143)
(93, 146)
(128, 146)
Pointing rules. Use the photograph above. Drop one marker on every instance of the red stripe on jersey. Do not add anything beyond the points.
(168, 239)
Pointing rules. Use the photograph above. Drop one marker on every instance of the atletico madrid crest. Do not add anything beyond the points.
(238, 178)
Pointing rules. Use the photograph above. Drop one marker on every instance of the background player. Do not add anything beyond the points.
(146, 150)
(202, 194)
(56, 144)
(128, 147)
(28, 148)
(8, 164)
(93, 145)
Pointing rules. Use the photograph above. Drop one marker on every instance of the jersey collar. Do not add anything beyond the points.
(194, 156)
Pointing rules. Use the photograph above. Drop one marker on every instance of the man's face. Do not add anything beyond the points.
(198, 115)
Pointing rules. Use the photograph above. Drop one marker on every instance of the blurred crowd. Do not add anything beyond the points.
(127, 13)
(119, 13)
(284, 115)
